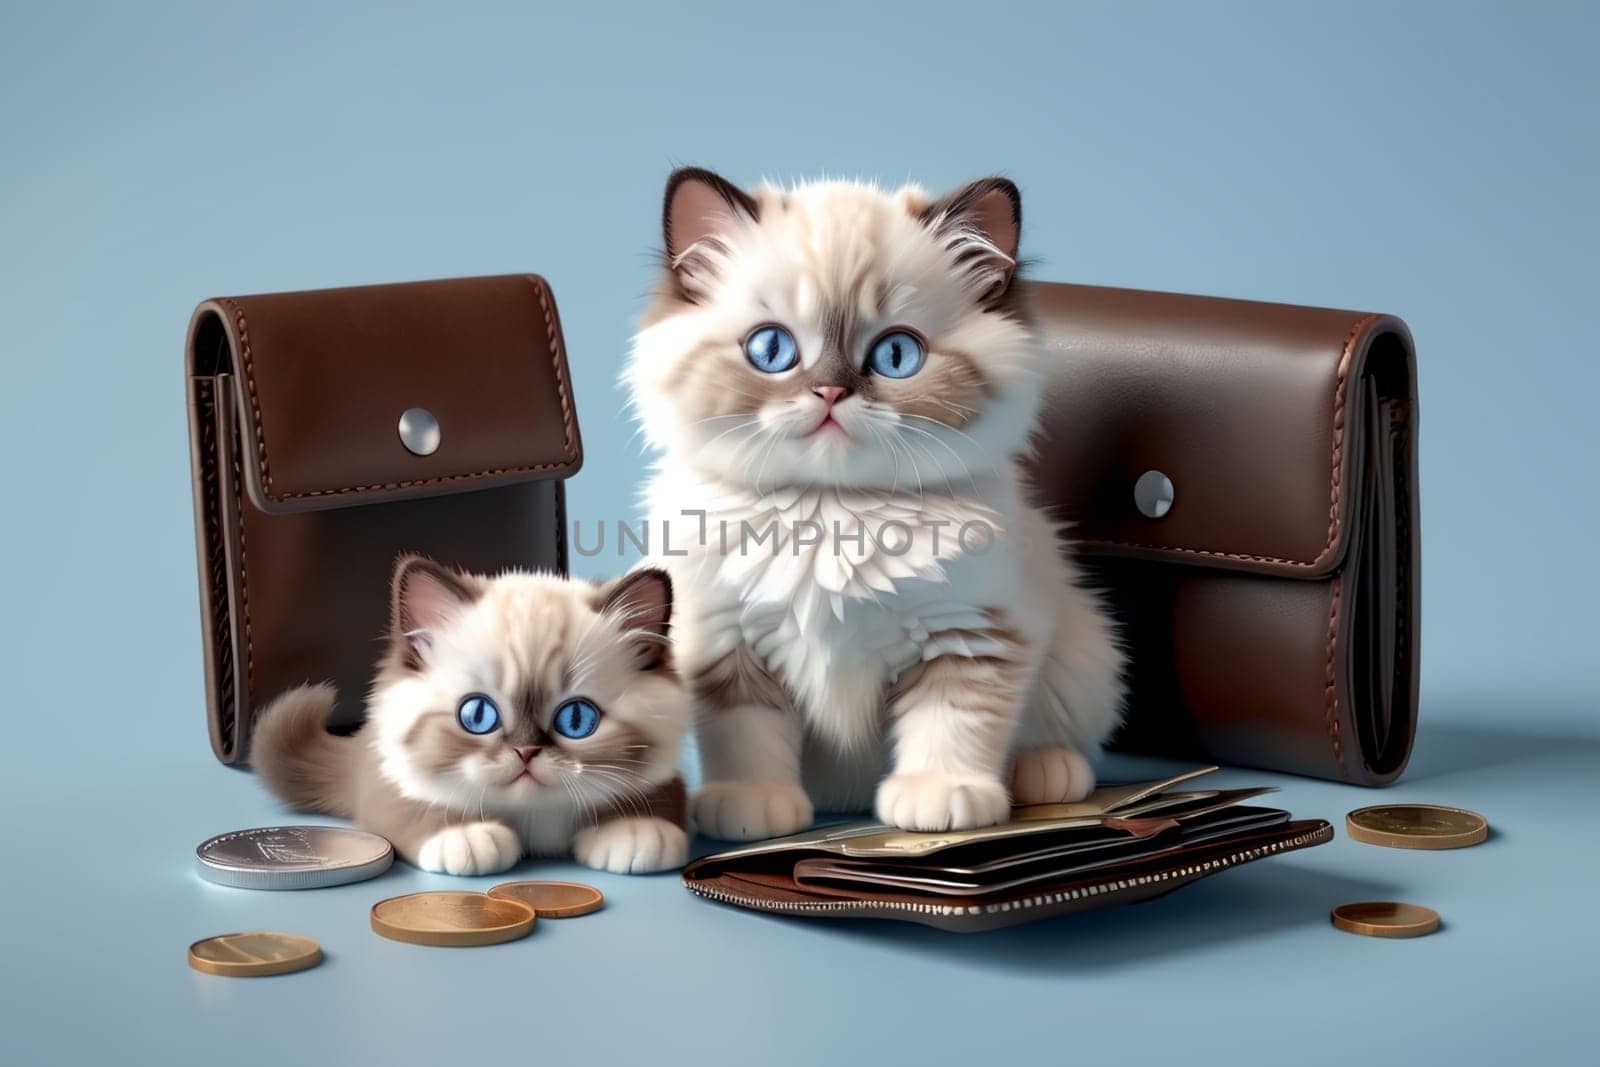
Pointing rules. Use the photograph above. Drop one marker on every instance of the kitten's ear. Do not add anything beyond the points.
(989, 209)
(426, 597)
(641, 601)
(699, 207)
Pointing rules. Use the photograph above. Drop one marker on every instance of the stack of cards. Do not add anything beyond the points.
(1122, 843)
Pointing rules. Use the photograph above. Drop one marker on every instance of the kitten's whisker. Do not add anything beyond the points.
(943, 426)
(765, 447)
(923, 450)
(610, 760)
(885, 433)
(911, 459)
(761, 471)
(717, 418)
(971, 479)
(588, 632)
(894, 457)
(746, 424)
(603, 796)
(450, 798)
(577, 801)
(627, 791)
(959, 409)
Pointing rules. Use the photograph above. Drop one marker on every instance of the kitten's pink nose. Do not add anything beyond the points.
(830, 394)
(527, 752)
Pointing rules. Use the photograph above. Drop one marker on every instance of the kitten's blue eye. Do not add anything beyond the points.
(478, 714)
(577, 719)
(771, 350)
(895, 355)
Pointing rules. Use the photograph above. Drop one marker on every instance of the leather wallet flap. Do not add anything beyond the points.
(1251, 411)
(324, 377)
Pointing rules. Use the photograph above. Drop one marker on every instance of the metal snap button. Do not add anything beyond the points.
(1152, 494)
(419, 431)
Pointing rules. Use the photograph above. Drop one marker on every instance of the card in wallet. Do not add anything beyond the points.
(1122, 844)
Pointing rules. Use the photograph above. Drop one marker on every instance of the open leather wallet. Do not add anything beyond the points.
(1124, 843)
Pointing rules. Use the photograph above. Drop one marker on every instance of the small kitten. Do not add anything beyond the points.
(855, 368)
(522, 713)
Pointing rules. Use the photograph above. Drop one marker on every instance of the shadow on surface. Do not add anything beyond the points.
(1231, 906)
(1450, 749)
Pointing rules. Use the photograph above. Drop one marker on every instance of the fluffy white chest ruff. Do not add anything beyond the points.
(837, 592)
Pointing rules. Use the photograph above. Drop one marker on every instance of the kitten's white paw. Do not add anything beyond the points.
(632, 845)
(938, 800)
(473, 848)
(750, 811)
(1051, 776)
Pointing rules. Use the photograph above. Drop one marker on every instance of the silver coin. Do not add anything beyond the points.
(293, 857)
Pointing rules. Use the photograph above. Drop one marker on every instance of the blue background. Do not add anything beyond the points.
(1435, 160)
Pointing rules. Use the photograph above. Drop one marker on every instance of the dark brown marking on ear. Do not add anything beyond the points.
(641, 601)
(991, 207)
(424, 595)
(696, 204)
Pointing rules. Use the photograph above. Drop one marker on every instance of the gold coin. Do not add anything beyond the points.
(456, 920)
(1385, 918)
(552, 900)
(1416, 826)
(254, 955)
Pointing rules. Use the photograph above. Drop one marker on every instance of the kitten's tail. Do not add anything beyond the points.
(298, 759)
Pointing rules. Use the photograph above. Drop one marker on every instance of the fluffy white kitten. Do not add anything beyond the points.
(870, 610)
(510, 715)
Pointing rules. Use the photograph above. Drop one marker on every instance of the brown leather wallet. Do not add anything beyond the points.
(1242, 480)
(331, 431)
(771, 886)
(1122, 844)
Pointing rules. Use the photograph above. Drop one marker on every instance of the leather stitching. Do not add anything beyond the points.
(1334, 501)
(244, 603)
(1331, 693)
(250, 384)
(558, 363)
(563, 389)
